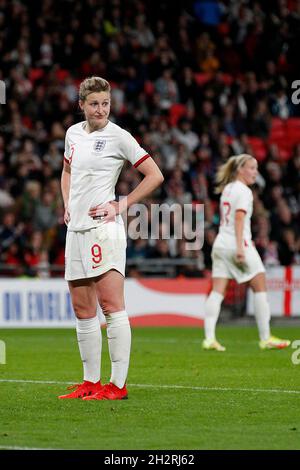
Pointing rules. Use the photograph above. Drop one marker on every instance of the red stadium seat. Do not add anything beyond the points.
(229, 139)
(149, 88)
(258, 147)
(227, 78)
(256, 141)
(281, 142)
(61, 74)
(284, 153)
(285, 133)
(259, 153)
(277, 133)
(176, 111)
(293, 131)
(293, 135)
(277, 123)
(285, 147)
(293, 123)
(202, 78)
(35, 74)
(27, 122)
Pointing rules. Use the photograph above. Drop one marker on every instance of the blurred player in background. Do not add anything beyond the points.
(95, 253)
(234, 255)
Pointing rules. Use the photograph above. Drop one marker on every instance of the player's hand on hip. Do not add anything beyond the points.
(107, 211)
(240, 256)
(67, 217)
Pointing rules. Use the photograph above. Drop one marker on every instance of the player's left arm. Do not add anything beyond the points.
(153, 177)
(65, 189)
(239, 222)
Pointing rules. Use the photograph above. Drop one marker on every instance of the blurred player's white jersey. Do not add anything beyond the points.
(235, 196)
(96, 161)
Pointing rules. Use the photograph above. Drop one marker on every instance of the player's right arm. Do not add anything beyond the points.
(65, 189)
(239, 221)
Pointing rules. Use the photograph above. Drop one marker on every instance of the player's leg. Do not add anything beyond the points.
(212, 311)
(84, 301)
(261, 305)
(110, 292)
(262, 314)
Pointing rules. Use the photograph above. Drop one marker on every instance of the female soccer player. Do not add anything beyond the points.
(95, 151)
(234, 255)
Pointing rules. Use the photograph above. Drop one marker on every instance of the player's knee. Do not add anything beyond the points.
(81, 311)
(110, 305)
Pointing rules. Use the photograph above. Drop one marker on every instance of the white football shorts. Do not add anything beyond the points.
(90, 253)
(224, 264)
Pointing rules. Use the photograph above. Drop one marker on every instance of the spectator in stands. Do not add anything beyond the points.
(185, 135)
(260, 121)
(43, 216)
(167, 90)
(281, 106)
(29, 200)
(293, 171)
(228, 65)
(289, 248)
(208, 12)
(33, 253)
(11, 231)
(12, 261)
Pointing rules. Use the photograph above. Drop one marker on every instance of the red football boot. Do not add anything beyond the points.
(83, 390)
(109, 392)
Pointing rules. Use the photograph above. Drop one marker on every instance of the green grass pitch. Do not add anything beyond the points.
(180, 397)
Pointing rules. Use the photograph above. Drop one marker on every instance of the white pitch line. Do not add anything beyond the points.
(176, 387)
(24, 448)
(216, 389)
(45, 382)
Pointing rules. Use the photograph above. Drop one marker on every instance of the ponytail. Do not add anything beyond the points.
(227, 172)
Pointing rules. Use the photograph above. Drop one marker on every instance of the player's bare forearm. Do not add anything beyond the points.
(65, 183)
(65, 189)
(239, 228)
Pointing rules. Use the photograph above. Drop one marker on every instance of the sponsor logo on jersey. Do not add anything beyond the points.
(99, 145)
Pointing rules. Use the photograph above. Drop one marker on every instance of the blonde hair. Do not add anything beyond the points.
(227, 172)
(92, 85)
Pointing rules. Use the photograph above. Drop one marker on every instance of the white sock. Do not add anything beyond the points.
(212, 311)
(262, 315)
(119, 343)
(89, 339)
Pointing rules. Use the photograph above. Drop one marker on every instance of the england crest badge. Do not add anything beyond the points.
(99, 145)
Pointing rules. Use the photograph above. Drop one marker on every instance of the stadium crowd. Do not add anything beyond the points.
(194, 84)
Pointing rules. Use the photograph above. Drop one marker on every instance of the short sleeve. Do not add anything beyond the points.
(243, 200)
(132, 151)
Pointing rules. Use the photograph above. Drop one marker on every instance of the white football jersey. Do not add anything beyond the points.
(96, 160)
(235, 196)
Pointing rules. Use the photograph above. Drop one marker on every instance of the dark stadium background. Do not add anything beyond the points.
(194, 84)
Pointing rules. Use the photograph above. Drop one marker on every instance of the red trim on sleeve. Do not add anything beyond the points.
(141, 160)
(67, 161)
